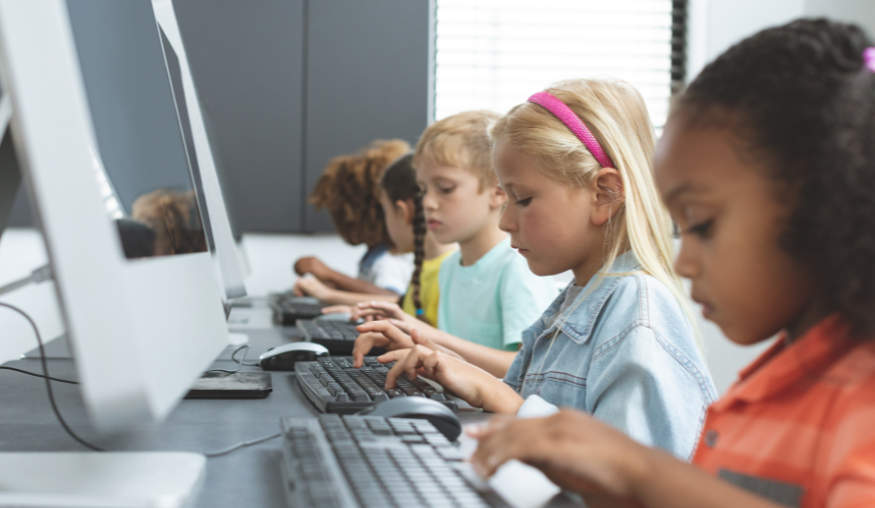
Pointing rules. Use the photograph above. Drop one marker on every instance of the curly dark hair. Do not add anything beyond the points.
(348, 190)
(801, 99)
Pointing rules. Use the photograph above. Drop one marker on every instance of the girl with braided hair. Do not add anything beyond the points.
(348, 190)
(401, 202)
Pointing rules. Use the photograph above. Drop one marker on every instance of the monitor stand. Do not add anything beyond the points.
(95, 479)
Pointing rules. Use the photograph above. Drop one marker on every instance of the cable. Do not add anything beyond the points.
(34, 374)
(41, 274)
(239, 364)
(244, 357)
(42, 352)
(237, 446)
(67, 428)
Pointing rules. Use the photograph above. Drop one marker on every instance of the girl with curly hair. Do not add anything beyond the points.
(349, 190)
(767, 164)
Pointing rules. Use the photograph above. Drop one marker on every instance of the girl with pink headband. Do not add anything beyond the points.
(618, 342)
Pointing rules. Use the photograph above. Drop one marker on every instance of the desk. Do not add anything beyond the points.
(249, 477)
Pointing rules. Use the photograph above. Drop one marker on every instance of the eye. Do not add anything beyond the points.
(701, 229)
(523, 202)
(447, 190)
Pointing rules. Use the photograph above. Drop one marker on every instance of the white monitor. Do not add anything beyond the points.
(95, 126)
(215, 217)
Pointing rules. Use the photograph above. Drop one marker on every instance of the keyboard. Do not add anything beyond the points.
(333, 385)
(288, 309)
(337, 336)
(362, 461)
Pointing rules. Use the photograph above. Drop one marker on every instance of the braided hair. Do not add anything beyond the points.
(399, 184)
(801, 97)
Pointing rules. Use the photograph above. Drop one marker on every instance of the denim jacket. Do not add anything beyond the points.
(625, 354)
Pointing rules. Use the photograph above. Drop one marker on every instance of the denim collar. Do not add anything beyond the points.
(579, 322)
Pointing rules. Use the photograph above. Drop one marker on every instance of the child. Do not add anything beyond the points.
(348, 190)
(401, 202)
(576, 164)
(487, 293)
(768, 165)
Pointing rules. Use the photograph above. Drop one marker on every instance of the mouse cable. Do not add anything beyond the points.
(57, 412)
(42, 352)
(234, 354)
(34, 374)
(240, 364)
(243, 444)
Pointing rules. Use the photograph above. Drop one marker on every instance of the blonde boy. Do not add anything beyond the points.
(488, 295)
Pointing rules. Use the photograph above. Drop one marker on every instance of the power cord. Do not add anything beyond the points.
(67, 428)
(42, 353)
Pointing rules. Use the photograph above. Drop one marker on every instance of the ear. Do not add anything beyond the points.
(497, 197)
(608, 195)
(406, 209)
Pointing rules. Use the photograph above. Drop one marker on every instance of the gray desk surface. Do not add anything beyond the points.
(249, 477)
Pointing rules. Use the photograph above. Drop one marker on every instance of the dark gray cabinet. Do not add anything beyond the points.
(285, 85)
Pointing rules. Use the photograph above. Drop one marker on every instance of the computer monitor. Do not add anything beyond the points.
(10, 176)
(92, 100)
(215, 217)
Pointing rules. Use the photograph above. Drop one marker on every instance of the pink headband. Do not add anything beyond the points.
(573, 122)
(869, 58)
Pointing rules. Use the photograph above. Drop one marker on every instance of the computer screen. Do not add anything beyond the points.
(148, 184)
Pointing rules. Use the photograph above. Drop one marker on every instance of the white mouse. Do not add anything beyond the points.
(284, 357)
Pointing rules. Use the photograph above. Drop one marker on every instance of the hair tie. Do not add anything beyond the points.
(420, 312)
(576, 125)
(869, 58)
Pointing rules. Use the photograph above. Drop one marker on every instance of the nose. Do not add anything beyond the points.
(428, 200)
(687, 262)
(508, 220)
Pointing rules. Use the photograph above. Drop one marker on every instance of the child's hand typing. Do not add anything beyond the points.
(370, 311)
(378, 334)
(468, 382)
(574, 450)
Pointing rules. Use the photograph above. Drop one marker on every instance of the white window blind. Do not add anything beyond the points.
(493, 54)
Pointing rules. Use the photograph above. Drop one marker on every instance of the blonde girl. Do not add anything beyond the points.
(576, 163)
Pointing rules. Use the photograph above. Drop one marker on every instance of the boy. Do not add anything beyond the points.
(488, 295)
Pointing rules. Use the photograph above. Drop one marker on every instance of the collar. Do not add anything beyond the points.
(594, 299)
(783, 367)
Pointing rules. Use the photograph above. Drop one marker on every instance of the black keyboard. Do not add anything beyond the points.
(288, 309)
(333, 385)
(363, 461)
(337, 336)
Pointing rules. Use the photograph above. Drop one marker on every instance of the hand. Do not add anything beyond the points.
(574, 450)
(468, 382)
(309, 286)
(369, 311)
(378, 334)
(338, 309)
(311, 265)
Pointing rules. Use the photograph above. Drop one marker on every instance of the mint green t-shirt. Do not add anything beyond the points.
(492, 301)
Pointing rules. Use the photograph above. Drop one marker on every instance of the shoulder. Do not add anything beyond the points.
(645, 300)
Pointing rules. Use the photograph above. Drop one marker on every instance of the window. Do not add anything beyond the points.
(493, 54)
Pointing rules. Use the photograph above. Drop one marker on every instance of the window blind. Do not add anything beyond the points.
(493, 54)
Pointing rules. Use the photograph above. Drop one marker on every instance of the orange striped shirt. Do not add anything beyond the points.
(799, 426)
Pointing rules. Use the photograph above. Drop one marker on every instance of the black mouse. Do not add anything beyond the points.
(419, 408)
(284, 357)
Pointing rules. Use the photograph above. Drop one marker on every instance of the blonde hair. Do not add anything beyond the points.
(616, 115)
(460, 140)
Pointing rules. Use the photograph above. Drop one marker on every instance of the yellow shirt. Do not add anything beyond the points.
(429, 292)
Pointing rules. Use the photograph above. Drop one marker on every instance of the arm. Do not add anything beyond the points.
(494, 361)
(337, 280)
(317, 289)
(584, 455)
(468, 382)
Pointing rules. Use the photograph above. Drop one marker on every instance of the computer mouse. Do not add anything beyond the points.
(442, 417)
(284, 357)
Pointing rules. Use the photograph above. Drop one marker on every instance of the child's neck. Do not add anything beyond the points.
(477, 246)
(433, 249)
